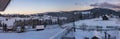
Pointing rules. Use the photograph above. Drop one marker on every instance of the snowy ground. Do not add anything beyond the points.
(99, 22)
(80, 34)
(52, 30)
(44, 34)
(49, 31)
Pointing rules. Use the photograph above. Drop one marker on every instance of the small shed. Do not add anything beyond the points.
(40, 27)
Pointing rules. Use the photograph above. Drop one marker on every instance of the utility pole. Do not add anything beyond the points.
(74, 22)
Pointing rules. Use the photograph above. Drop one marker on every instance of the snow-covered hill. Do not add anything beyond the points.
(99, 22)
(52, 30)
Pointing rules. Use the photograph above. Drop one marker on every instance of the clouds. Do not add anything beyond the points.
(111, 4)
(106, 5)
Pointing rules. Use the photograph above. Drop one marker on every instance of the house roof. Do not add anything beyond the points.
(4, 4)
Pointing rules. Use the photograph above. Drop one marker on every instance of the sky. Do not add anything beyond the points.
(41, 6)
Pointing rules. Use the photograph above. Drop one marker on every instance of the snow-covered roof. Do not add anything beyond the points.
(86, 12)
(11, 21)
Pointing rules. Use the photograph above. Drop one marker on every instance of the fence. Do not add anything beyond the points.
(61, 33)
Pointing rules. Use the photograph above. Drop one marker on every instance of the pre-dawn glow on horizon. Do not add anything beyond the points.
(40, 6)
